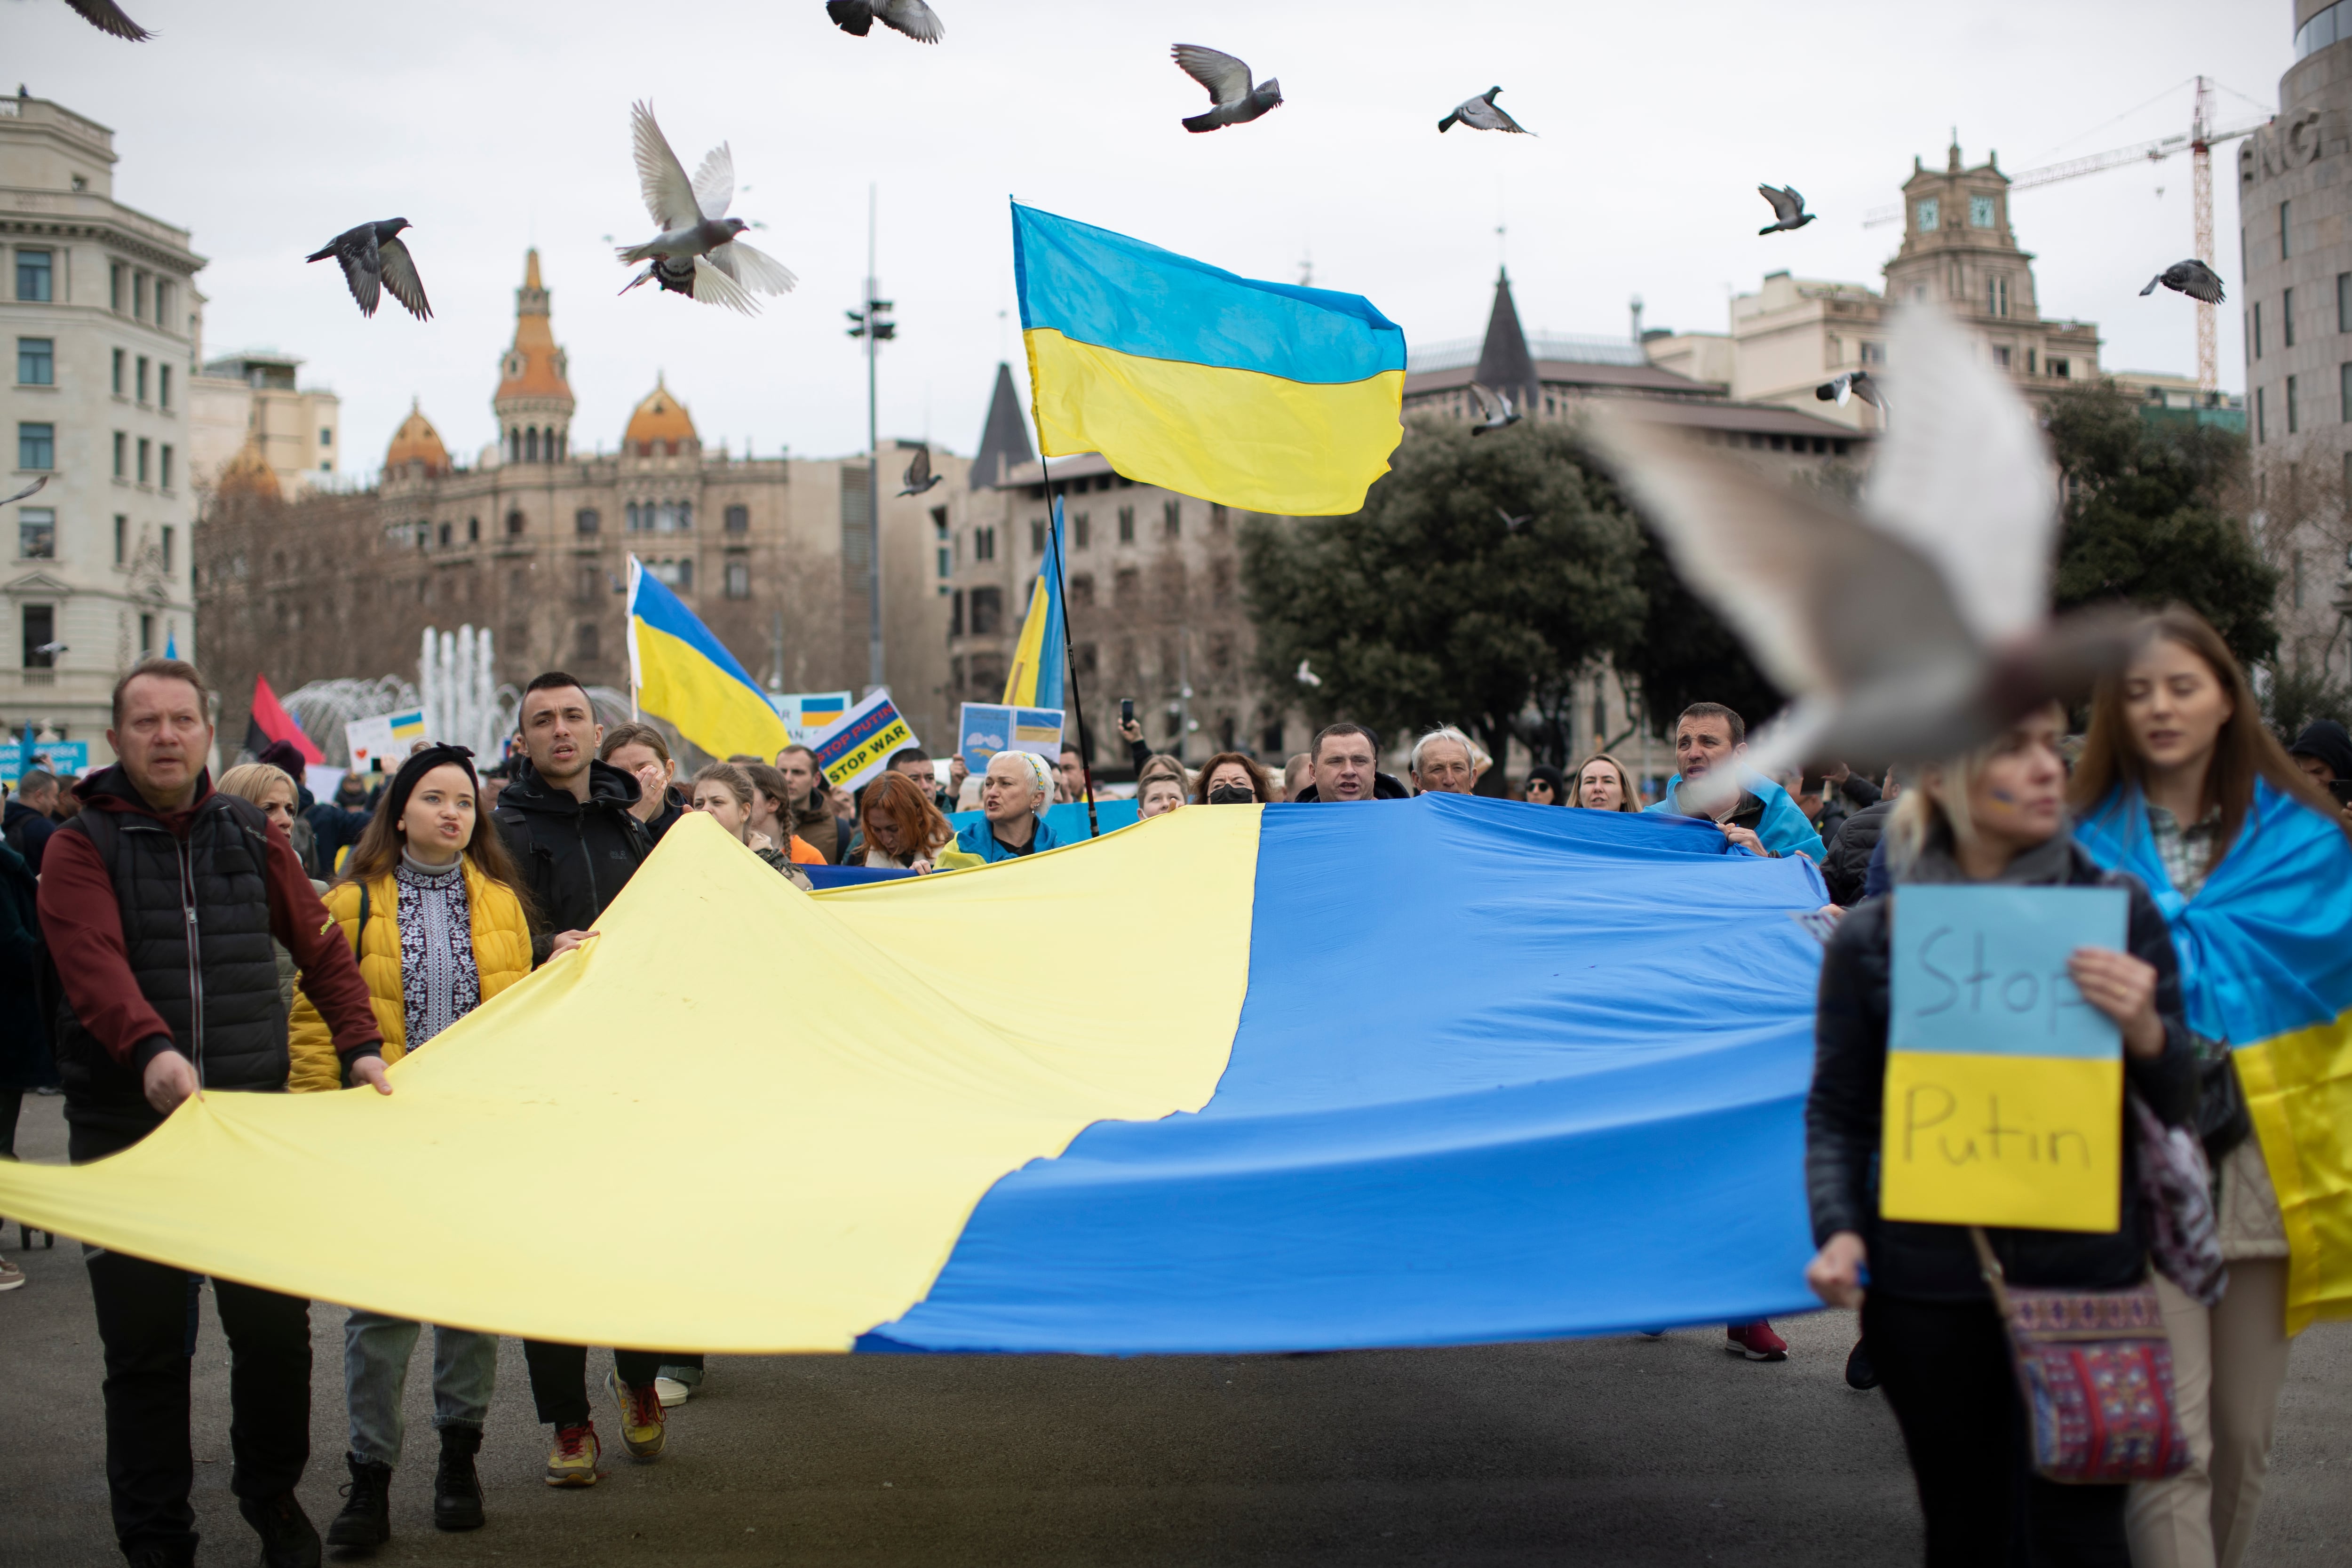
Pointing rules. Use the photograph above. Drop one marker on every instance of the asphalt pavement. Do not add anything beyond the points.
(1628, 1451)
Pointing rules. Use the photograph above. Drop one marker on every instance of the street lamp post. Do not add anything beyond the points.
(874, 325)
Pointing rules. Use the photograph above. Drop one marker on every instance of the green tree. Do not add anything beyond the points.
(2147, 518)
(1683, 653)
(1429, 606)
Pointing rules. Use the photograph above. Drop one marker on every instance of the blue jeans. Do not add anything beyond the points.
(376, 1365)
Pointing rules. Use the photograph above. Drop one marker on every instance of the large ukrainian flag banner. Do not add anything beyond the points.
(1038, 674)
(2266, 968)
(686, 675)
(1262, 396)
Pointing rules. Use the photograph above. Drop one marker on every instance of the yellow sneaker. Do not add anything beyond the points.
(642, 1425)
(573, 1461)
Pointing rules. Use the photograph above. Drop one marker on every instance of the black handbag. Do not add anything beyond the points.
(2222, 1120)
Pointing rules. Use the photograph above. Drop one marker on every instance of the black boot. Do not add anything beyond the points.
(287, 1538)
(366, 1520)
(457, 1490)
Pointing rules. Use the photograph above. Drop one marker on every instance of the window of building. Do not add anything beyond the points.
(2062, 369)
(147, 632)
(988, 675)
(947, 561)
(1171, 516)
(1929, 213)
(1980, 212)
(36, 361)
(2287, 246)
(326, 436)
(1127, 525)
(1082, 530)
(2286, 318)
(114, 288)
(987, 611)
(2262, 420)
(142, 382)
(163, 304)
(33, 279)
(1221, 582)
(1874, 353)
(2255, 331)
(36, 532)
(121, 362)
(40, 626)
(2343, 391)
(634, 522)
(738, 520)
(37, 445)
(445, 532)
(163, 472)
(146, 455)
(163, 386)
(122, 536)
(584, 521)
(587, 582)
(1126, 588)
(2294, 408)
(984, 543)
(139, 295)
(1037, 536)
(1997, 295)
(514, 524)
(164, 535)
(739, 579)
(587, 643)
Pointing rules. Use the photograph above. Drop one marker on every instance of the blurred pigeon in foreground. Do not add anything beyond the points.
(912, 18)
(1788, 209)
(1514, 523)
(108, 18)
(1855, 384)
(1914, 630)
(696, 254)
(28, 490)
(1482, 113)
(373, 260)
(1308, 677)
(2192, 277)
(1238, 101)
(1495, 409)
(919, 476)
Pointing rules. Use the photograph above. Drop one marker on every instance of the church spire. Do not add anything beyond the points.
(533, 402)
(1004, 440)
(1504, 362)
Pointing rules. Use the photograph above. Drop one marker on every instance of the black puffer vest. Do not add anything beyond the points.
(195, 922)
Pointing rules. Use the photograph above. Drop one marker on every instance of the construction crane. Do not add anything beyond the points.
(2199, 143)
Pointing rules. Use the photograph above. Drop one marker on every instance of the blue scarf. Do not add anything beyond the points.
(1784, 827)
(2266, 945)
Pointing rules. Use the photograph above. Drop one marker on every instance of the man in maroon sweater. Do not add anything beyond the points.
(159, 903)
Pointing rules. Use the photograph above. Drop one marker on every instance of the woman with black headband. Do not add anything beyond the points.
(434, 909)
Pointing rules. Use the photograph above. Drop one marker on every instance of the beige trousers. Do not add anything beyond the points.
(2227, 1363)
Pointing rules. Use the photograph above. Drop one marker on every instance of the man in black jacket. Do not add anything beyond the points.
(1846, 867)
(31, 815)
(565, 818)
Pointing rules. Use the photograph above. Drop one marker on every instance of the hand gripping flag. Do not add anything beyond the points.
(1038, 668)
(686, 675)
(1262, 396)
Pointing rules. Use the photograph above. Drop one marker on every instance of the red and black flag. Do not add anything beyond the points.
(269, 721)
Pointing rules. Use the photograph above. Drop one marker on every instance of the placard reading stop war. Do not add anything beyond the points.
(2004, 1088)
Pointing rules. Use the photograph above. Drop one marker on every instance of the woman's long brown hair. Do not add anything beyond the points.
(922, 829)
(1261, 785)
(2244, 752)
(378, 852)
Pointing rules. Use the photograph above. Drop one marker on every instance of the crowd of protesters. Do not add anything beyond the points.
(340, 935)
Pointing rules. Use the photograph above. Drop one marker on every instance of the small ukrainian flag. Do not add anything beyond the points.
(1038, 671)
(686, 675)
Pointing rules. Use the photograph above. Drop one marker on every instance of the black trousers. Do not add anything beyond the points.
(142, 1321)
(1945, 1368)
(559, 1377)
(12, 1105)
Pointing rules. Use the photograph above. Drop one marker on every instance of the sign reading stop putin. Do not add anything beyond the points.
(2004, 1088)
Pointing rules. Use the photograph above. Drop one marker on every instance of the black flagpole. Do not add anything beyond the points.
(1069, 646)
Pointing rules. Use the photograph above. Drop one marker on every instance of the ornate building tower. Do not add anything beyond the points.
(533, 402)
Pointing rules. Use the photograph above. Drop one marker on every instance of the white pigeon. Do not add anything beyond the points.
(1853, 384)
(1308, 677)
(697, 253)
(1913, 630)
(1495, 409)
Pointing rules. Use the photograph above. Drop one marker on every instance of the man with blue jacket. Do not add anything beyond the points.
(1763, 818)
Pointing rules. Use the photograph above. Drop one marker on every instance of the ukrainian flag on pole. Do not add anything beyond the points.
(1262, 396)
(686, 675)
(1038, 669)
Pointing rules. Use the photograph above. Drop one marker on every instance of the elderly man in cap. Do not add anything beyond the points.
(1012, 799)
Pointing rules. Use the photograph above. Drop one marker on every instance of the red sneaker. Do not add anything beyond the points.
(1755, 1341)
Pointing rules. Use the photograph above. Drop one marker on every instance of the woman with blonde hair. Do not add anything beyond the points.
(2181, 786)
(1603, 784)
(272, 789)
(436, 913)
(723, 792)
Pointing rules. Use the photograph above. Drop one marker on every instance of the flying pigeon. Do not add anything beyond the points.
(1914, 629)
(2192, 277)
(912, 18)
(1788, 209)
(374, 258)
(1308, 677)
(1854, 382)
(1237, 100)
(696, 254)
(108, 18)
(919, 476)
(28, 490)
(1514, 523)
(1482, 113)
(1493, 408)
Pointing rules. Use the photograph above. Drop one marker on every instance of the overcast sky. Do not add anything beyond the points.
(267, 126)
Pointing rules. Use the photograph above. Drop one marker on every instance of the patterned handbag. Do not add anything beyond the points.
(2095, 1370)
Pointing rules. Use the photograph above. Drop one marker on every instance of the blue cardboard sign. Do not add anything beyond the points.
(1981, 970)
(57, 756)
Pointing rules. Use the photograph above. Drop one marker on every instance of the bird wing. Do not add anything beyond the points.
(912, 18)
(1866, 387)
(2202, 283)
(669, 194)
(1484, 399)
(1786, 204)
(28, 490)
(1965, 479)
(712, 285)
(2151, 285)
(1822, 600)
(1228, 78)
(918, 472)
(108, 18)
(399, 270)
(754, 269)
(851, 16)
(1486, 114)
(363, 271)
(714, 183)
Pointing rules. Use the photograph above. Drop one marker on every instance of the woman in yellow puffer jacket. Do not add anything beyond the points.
(433, 908)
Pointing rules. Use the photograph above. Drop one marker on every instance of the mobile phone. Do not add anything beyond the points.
(2342, 790)
(1126, 709)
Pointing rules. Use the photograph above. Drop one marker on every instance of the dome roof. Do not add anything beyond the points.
(249, 473)
(661, 417)
(416, 442)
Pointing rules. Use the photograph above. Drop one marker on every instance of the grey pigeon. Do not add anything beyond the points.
(108, 18)
(919, 476)
(1482, 113)
(1237, 99)
(695, 254)
(2192, 277)
(912, 18)
(28, 490)
(1914, 628)
(1852, 382)
(1788, 209)
(1495, 409)
(1514, 523)
(373, 260)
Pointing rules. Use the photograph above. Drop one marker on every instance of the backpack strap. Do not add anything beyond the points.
(359, 933)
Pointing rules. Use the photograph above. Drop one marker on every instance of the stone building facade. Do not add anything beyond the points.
(252, 399)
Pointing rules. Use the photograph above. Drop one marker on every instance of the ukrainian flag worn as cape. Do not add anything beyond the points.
(684, 675)
(1784, 829)
(2266, 967)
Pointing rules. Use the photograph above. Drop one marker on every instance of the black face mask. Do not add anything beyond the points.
(1232, 794)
